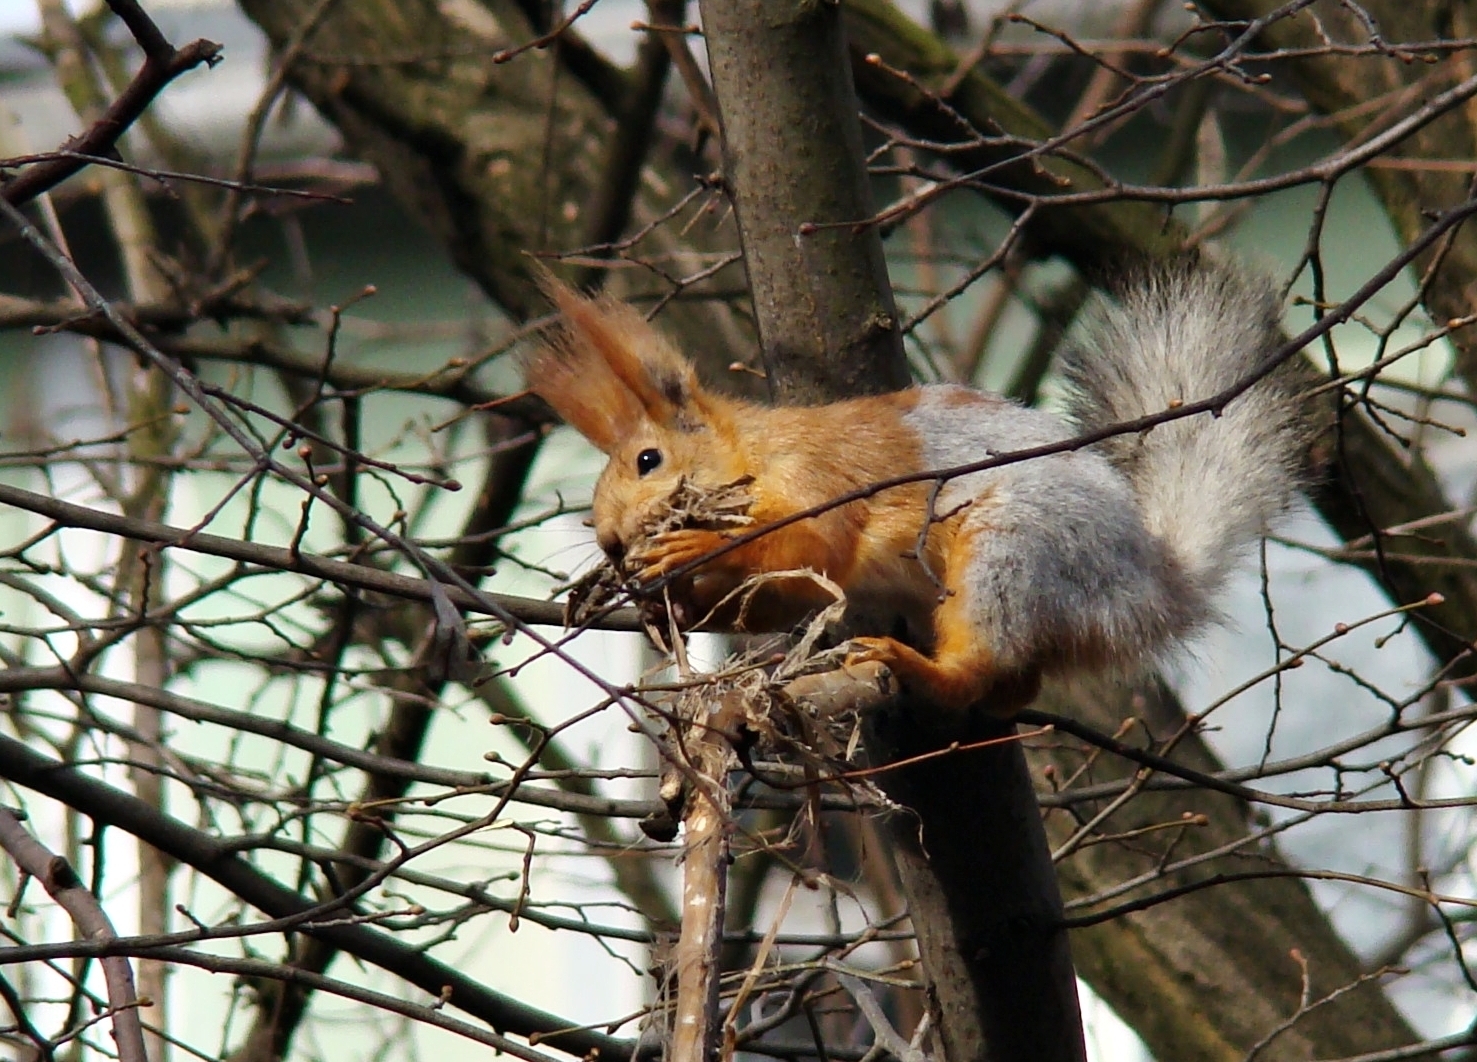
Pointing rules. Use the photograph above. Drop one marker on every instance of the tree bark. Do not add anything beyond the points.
(795, 172)
(974, 861)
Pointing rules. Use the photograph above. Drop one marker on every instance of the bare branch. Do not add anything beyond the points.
(62, 885)
(162, 64)
(215, 860)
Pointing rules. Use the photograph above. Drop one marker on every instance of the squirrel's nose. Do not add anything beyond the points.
(613, 547)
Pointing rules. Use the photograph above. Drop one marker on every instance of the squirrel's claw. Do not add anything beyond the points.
(915, 671)
(951, 680)
(888, 651)
(665, 552)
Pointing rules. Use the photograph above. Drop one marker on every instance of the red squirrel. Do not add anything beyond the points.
(1093, 559)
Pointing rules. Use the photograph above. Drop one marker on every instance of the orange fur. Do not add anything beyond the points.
(620, 383)
(605, 368)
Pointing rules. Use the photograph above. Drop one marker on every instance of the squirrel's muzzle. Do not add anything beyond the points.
(612, 547)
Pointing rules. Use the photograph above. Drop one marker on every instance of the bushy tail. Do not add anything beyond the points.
(1208, 486)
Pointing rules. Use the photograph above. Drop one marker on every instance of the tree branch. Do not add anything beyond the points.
(162, 64)
(62, 885)
(277, 558)
(214, 859)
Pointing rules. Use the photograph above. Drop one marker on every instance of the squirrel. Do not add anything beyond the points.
(1093, 559)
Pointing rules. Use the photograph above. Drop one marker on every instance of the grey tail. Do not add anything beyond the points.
(1208, 486)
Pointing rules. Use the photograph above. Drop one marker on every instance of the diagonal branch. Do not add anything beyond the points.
(62, 885)
(162, 64)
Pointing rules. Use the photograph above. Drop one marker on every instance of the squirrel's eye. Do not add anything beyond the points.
(648, 461)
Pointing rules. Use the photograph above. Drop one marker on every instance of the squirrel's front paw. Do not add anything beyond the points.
(665, 552)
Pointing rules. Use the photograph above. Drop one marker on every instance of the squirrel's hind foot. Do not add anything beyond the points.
(953, 682)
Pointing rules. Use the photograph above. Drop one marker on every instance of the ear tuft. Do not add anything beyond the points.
(604, 352)
(570, 375)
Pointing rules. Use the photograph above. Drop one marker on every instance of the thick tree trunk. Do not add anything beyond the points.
(794, 169)
(972, 855)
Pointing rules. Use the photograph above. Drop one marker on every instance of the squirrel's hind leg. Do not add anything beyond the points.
(962, 672)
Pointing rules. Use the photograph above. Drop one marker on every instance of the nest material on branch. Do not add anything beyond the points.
(791, 718)
(793, 705)
(723, 508)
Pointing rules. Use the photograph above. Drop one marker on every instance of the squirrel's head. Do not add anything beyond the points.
(627, 389)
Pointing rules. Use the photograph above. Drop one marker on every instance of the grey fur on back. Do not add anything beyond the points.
(1207, 486)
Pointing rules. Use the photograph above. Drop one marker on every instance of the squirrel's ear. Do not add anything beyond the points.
(583, 391)
(615, 349)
